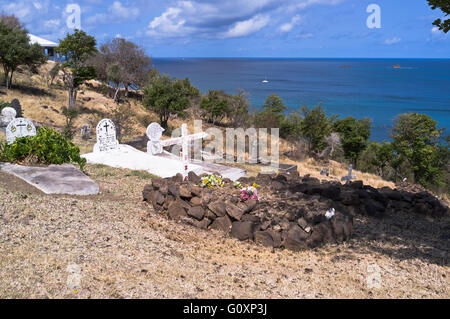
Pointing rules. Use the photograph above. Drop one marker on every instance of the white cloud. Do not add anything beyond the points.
(244, 28)
(290, 25)
(393, 40)
(225, 18)
(435, 30)
(116, 13)
(53, 23)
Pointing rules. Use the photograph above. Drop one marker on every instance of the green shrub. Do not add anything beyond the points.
(47, 147)
(3, 105)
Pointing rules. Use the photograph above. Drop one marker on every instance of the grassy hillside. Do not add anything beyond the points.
(44, 104)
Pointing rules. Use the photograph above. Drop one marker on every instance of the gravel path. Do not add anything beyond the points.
(125, 250)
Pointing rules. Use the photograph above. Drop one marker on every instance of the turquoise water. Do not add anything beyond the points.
(346, 87)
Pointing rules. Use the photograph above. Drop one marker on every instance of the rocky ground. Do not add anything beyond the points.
(127, 250)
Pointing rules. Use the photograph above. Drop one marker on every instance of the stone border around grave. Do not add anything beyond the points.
(293, 212)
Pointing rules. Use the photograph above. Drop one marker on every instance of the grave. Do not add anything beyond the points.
(85, 132)
(350, 175)
(108, 151)
(156, 161)
(19, 127)
(155, 147)
(55, 179)
(8, 114)
(106, 136)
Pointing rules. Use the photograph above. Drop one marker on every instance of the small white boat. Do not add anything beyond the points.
(265, 81)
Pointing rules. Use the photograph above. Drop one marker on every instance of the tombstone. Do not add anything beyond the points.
(184, 141)
(86, 132)
(15, 104)
(19, 127)
(350, 175)
(106, 136)
(8, 114)
(154, 134)
(325, 172)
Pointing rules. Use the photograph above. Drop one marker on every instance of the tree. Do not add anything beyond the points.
(166, 96)
(354, 136)
(444, 5)
(11, 21)
(125, 61)
(416, 140)
(272, 115)
(16, 50)
(377, 158)
(215, 106)
(239, 109)
(315, 127)
(76, 49)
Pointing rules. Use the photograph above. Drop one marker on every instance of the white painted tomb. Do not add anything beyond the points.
(109, 152)
(155, 161)
(19, 127)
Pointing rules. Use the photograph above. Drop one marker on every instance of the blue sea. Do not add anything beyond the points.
(346, 87)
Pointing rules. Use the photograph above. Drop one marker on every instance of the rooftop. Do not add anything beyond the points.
(42, 42)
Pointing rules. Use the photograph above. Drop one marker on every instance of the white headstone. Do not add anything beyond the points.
(8, 114)
(154, 134)
(106, 136)
(19, 127)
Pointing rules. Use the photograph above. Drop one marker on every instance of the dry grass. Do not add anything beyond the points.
(126, 250)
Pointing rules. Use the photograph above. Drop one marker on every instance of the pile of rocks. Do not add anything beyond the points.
(292, 212)
(278, 219)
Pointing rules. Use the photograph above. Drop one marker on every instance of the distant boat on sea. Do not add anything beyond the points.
(265, 81)
(397, 66)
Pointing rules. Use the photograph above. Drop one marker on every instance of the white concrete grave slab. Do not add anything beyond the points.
(55, 179)
(19, 127)
(157, 161)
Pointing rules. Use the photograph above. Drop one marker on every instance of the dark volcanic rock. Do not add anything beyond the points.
(296, 239)
(243, 230)
(197, 212)
(194, 178)
(234, 211)
(222, 223)
(322, 233)
(176, 211)
(263, 238)
(196, 201)
(218, 208)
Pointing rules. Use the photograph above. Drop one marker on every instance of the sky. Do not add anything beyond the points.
(252, 28)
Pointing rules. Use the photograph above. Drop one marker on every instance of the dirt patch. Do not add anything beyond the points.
(126, 250)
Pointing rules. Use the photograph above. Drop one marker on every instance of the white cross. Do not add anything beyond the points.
(184, 140)
(350, 175)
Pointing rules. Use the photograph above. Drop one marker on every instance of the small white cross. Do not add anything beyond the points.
(350, 175)
(184, 141)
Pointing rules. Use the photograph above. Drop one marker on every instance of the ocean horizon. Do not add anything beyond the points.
(359, 87)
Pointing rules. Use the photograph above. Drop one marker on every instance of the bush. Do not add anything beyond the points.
(3, 105)
(47, 147)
